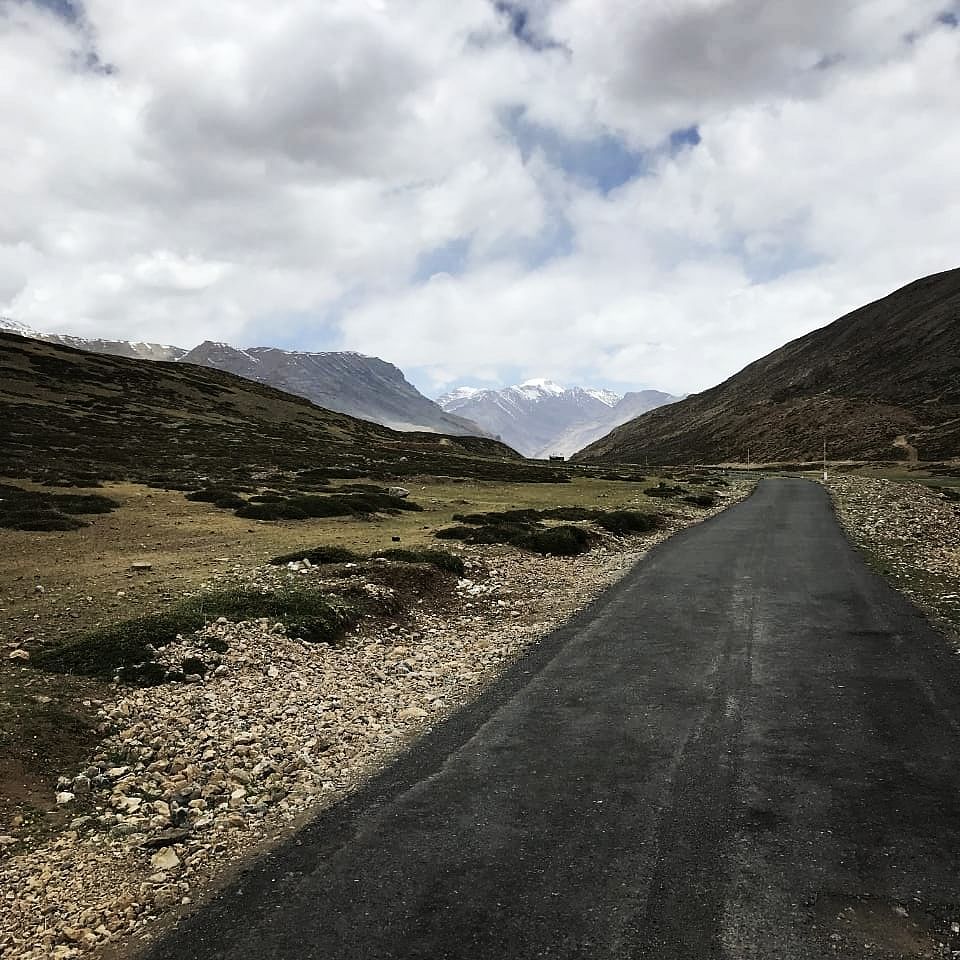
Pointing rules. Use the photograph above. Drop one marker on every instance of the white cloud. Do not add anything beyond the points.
(226, 168)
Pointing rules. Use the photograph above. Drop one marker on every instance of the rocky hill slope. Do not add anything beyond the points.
(361, 386)
(351, 383)
(880, 383)
(540, 418)
(70, 412)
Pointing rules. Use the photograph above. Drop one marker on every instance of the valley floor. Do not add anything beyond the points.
(280, 730)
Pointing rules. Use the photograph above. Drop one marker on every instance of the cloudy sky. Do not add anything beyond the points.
(604, 192)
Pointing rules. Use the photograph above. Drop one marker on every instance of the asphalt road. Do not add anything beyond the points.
(747, 749)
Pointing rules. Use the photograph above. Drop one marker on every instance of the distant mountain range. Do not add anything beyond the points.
(360, 386)
(540, 418)
(881, 383)
(364, 387)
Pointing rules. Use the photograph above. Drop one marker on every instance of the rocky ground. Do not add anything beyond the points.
(189, 777)
(910, 533)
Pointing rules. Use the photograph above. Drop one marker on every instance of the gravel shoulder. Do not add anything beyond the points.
(191, 778)
(909, 533)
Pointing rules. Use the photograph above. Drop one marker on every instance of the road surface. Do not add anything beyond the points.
(749, 748)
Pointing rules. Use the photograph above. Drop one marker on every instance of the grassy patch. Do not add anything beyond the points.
(39, 510)
(664, 490)
(436, 558)
(128, 650)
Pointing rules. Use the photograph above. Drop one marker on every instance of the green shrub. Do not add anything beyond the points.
(628, 521)
(211, 494)
(501, 516)
(436, 558)
(124, 647)
(270, 511)
(319, 555)
(41, 510)
(564, 541)
(40, 520)
(465, 534)
(571, 513)
(304, 506)
(705, 500)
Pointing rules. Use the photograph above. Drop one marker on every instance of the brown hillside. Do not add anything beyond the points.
(67, 412)
(873, 384)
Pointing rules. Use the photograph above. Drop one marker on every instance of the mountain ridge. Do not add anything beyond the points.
(345, 381)
(873, 384)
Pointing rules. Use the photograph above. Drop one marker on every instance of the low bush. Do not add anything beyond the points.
(222, 497)
(88, 483)
(40, 510)
(37, 519)
(571, 513)
(501, 516)
(564, 541)
(304, 506)
(436, 558)
(628, 521)
(271, 511)
(127, 649)
(318, 556)
(704, 500)
(210, 494)
(664, 490)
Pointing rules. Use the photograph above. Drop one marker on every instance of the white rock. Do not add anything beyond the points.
(165, 859)
(412, 713)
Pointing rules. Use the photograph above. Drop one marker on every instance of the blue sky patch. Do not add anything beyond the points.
(603, 163)
(687, 137)
(949, 18)
(69, 10)
(450, 257)
(520, 26)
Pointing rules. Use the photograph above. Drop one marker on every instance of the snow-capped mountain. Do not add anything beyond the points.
(540, 418)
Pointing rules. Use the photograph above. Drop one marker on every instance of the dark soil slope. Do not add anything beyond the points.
(880, 383)
(66, 412)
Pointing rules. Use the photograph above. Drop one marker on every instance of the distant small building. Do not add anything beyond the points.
(557, 457)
